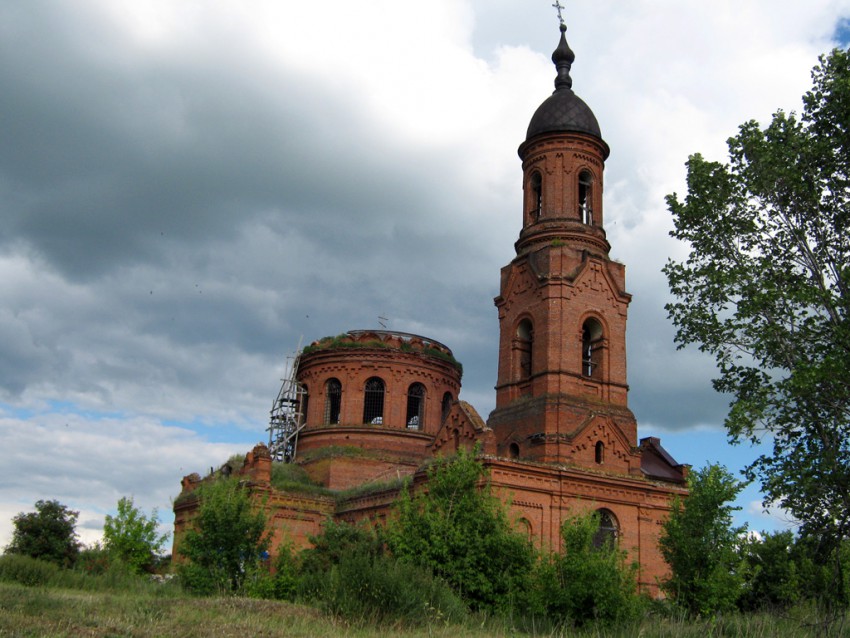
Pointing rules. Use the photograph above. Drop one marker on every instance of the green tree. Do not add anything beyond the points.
(227, 539)
(771, 572)
(590, 581)
(131, 536)
(337, 541)
(699, 543)
(766, 291)
(460, 531)
(49, 533)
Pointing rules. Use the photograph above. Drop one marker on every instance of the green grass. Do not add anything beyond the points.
(61, 612)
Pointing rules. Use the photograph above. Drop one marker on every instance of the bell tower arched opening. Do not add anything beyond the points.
(585, 197)
(524, 350)
(592, 341)
(535, 203)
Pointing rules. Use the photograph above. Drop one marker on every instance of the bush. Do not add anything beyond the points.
(278, 583)
(25, 570)
(226, 542)
(460, 532)
(131, 536)
(771, 573)
(381, 589)
(587, 583)
(93, 560)
(337, 541)
(699, 543)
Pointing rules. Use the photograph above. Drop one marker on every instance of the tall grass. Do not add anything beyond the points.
(66, 613)
(32, 572)
(361, 597)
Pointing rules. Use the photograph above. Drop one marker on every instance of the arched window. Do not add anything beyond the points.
(591, 349)
(585, 192)
(446, 406)
(333, 401)
(373, 401)
(302, 405)
(524, 348)
(599, 455)
(608, 530)
(415, 406)
(524, 526)
(536, 196)
(513, 450)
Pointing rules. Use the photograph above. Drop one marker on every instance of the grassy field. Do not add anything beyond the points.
(57, 612)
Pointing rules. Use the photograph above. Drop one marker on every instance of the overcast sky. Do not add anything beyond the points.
(188, 189)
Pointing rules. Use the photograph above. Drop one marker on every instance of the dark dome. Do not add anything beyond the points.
(563, 111)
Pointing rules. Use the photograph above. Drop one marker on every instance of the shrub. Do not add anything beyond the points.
(337, 541)
(461, 532)
(227, 539)
(131, 536)
(380, 589)
(93, 560)
(587, 583)
(25, 570)
(699, 543)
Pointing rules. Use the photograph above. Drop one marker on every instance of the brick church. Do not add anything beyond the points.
(375, 405)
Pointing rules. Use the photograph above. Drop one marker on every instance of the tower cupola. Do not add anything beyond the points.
(564, 111)
(563, 158)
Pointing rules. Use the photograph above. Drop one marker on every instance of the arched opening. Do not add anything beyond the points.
(456, 439)
(608, 529)
(536, 204)
(524, 349)
(302, 405)
(333, 401)
(513, 450)
(599, 454)
(373, 401)
(591, 349)
(585, 197)
(446, 406)
(415, 406)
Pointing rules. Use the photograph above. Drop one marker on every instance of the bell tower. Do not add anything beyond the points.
(561, 393)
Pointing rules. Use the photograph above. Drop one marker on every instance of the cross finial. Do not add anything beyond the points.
(558, 6)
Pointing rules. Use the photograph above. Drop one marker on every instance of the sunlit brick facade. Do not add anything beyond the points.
(561, 439)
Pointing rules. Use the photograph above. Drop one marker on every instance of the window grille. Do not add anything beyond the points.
(373, 401)
(415, 406)
(607, 532)
(333, 401)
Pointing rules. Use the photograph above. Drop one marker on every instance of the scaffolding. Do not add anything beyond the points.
(287, 418)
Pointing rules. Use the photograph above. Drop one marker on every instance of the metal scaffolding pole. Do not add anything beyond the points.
(287, 416)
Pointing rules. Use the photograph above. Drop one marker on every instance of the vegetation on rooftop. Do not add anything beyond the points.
(347, 341)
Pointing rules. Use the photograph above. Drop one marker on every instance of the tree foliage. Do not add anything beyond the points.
(589, 582)
(227, 539)
(766, 290)
(461, 532)
(699, 543)
(772, 573)
(131, 536)
(49, 533)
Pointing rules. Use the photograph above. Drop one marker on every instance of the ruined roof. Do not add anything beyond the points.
(657, 463)
(385, 339)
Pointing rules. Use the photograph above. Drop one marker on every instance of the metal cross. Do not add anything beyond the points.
(559, 6)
